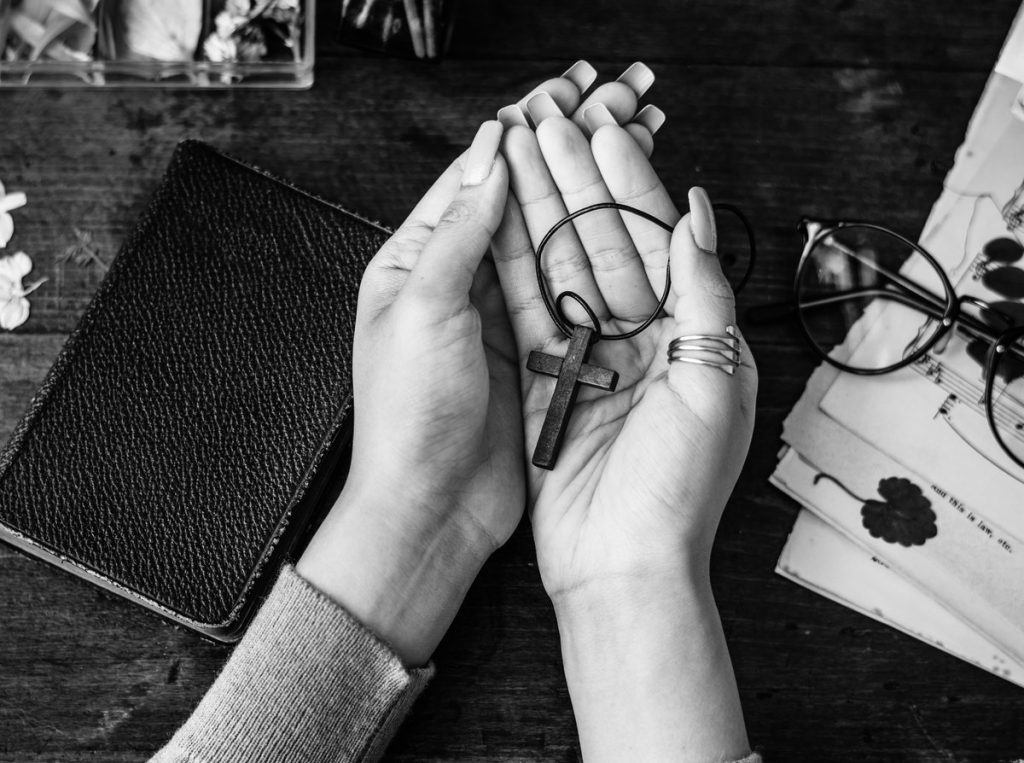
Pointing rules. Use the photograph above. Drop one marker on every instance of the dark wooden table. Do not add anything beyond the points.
(852, 107)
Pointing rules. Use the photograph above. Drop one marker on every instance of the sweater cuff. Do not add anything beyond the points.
(307, 683)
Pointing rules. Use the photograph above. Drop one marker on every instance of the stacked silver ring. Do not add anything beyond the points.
(722, 352)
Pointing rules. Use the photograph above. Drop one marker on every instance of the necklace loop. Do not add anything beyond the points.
(583, 306)
(554, 307)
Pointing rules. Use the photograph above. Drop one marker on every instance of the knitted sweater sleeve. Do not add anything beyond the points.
(307, 683)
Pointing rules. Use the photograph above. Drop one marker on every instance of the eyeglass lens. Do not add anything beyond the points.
(1007, 404)
(860, 282)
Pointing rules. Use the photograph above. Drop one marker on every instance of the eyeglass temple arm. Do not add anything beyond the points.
(910, 300)
(898, 279)
(776, 311)
(773, 312)
(1015, 350)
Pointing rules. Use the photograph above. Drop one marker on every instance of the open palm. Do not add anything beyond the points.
(644, 471)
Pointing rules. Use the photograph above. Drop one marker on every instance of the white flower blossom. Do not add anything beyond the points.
(220, 49)
(8, 202)
(14, 307)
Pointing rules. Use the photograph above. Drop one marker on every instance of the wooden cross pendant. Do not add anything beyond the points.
(572, 371)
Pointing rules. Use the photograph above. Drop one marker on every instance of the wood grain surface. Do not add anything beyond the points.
(843, 108)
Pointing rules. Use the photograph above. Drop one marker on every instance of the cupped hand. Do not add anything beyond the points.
(436, 480)
(435, 387)
(644, 471)
(624, 523)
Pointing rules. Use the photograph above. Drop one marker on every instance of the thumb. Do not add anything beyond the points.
(705, 303)
(705, 308)
(450, 257)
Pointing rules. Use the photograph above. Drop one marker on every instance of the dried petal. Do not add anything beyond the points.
(13, 313)
(15, 267)
(14, 307)
(220, 49)
(226, 24)
(158, 30)
(238, 7)
(6, 228)
(12, 201)
(8, 202)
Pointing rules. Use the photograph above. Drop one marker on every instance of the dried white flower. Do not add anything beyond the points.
(8, 202)
(226, 24)
(238, 7)
(220, 49)
(14, 307)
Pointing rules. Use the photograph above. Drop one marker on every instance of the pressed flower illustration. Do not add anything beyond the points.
(1001, 314)
(904, 516)
(1013, 210)
(998, 268)
(1003, 250)
(1006, 281)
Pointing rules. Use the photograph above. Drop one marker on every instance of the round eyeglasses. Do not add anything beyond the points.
(871, 301)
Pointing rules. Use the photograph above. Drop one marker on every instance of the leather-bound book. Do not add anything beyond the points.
(198, 417)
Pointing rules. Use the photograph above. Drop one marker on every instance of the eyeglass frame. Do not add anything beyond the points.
(950, 317)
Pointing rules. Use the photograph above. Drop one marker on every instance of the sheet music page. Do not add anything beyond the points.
(824, 560)
(930, 417)
(971, 568)
(902, 467)
(972, 565)
(1011, 59)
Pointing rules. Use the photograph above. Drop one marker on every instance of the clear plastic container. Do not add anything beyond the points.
(157, 43)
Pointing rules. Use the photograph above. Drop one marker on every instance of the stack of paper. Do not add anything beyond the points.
(949, 571)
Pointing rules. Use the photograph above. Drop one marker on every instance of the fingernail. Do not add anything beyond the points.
(482, 152)
(651, 117)
(581, 74)
(512, 115)
(597, 116)
(642, 136)
(541, 106)
(702, 220)
(639, 77)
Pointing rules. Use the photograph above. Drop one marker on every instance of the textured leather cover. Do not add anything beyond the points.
(180, 442)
